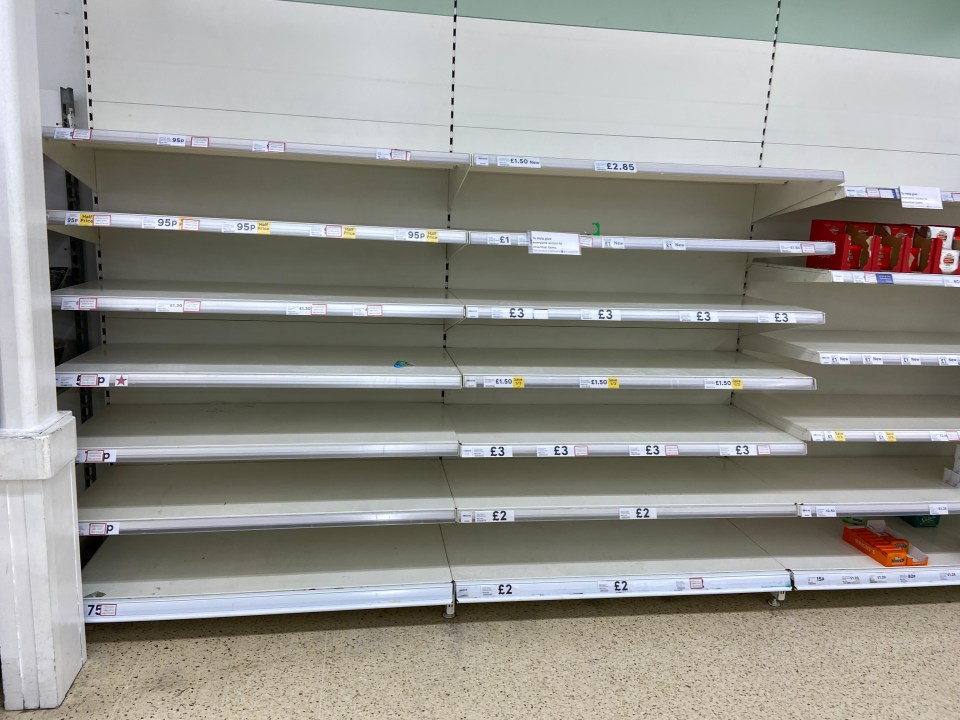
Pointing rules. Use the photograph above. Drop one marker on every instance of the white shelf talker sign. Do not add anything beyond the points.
(917, 196)
(517, 161)
(638, 513)
(551, 243)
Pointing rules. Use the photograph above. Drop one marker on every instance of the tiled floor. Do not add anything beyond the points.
(887, 654)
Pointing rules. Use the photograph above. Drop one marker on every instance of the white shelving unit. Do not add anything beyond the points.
(640, 431)
(771, 273)
(549, 561)
(140, 499)
(819, 559)
(142, 365)
(621, 369)
(850, 347)
(276, 431)
(859, 418)
(174, 576)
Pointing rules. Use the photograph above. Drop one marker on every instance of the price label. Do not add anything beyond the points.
(775, 317)
(82, 133)
(918, 196)
(512, 313)
(482, 516)
(503, 381)
(610, 314)
(910, 360)
(939, 509)
(518, 161)
(850, 579)
(616, 166)
(191, 306)
(562, 451)
(552, 243)
(486, 451)
(189, 224)
(499, 239)
(613, 243)
(871, 359)
(599, 383)
(740, 450)
(826, 511)
(949, 281)
(101, 609)
(827, 359)
(816, 580)
(83, 380)
(723, 384)
(878, 579)
(100, 528)
(700, 316)
(96, 456)
(653, 450)
(173, 140)
(160, 222)
(638, 513)
(613, 586)
(170, 306)
(948, 360)
(299, 309)
(791, 248)
(199, 142)
(828, 436)
(268, 146)
(885, 436)
(62, 133)
(675, 244)
(244, 227)
(417, 235)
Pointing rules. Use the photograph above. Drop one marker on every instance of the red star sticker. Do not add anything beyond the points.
(121, 380)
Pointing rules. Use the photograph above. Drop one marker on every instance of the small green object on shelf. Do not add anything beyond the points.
(402, 364)
(921, 521)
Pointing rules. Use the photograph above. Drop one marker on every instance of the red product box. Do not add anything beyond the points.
(933, 252)
(894, 250)
(857, 244)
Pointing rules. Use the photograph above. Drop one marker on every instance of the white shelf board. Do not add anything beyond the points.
(526, 489)
(842, 486)
(146, 365)
(625, 169)
(614, 489)
(630, 307)
(793, 201)
(274, 431)
(577, 431)
(75, 149)
(621, 369)
(820, 560)
(858, 418)
(135, 499)
(550, 561)
(853, 347)
(253, 299)
(772, 273)
(186, 575)
(67, 221)
(626, 242)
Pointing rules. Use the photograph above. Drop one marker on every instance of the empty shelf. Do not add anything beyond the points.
(137, 499)
(125, 365)
(621, 369)
(820, 560)
(550, 561)
(274, 431)
(165, 577)
(559, 431)
(252, 299)
(612, 489)
(74, 150)
(617, 489)
(858, 418)
(852, 347)
(771, 273)
(603, 307)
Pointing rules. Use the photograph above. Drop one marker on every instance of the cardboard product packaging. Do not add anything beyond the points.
(933, 251)
(894, 250)
(883, 547)
(857, 244)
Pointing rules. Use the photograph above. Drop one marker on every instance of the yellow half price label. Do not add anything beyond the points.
(350, 232)
(433, 236)
(518, 381)
(890, 436)
(737, 383)
(613, 383)
(263, 227)
(86, 219)
(840, 436)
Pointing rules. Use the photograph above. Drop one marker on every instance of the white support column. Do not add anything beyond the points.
(41, 623)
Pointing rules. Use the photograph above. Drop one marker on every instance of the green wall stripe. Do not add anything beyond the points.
(919, 27)
(426, 7)
(743, 19)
